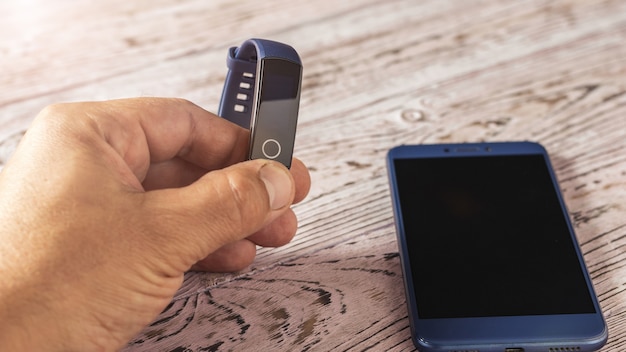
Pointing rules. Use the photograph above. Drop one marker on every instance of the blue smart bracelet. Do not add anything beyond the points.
(262, 92)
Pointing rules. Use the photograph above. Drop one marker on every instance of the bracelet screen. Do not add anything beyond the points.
(262, 92)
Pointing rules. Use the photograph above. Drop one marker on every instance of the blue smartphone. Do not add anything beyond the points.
(489, 256)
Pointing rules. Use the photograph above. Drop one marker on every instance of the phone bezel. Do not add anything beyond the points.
(584, 331)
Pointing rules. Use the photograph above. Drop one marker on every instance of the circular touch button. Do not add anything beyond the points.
(271, 148)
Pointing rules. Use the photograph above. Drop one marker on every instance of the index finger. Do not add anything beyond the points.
(153, 130)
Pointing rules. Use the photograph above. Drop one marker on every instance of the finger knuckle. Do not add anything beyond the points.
(65, 117)
(242, 203)
(54, 112)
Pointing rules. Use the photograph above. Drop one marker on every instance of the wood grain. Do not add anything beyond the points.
(376, 74)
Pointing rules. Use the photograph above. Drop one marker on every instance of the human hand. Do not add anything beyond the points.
(104, 207)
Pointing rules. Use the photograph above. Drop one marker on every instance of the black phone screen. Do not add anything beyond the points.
(487, 236)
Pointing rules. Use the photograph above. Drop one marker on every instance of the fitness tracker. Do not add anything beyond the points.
(262, 93)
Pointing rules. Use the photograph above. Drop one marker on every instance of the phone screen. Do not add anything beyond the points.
(487, 236)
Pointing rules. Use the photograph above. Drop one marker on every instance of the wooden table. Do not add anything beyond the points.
(376, 74)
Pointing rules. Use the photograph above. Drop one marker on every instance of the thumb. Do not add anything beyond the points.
(222, 207)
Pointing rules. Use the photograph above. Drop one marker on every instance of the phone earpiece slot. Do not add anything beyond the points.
(467, 149)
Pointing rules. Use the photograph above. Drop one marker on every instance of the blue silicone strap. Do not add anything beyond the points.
(239, 87)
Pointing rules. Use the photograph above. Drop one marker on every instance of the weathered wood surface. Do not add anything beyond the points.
(377, 74)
